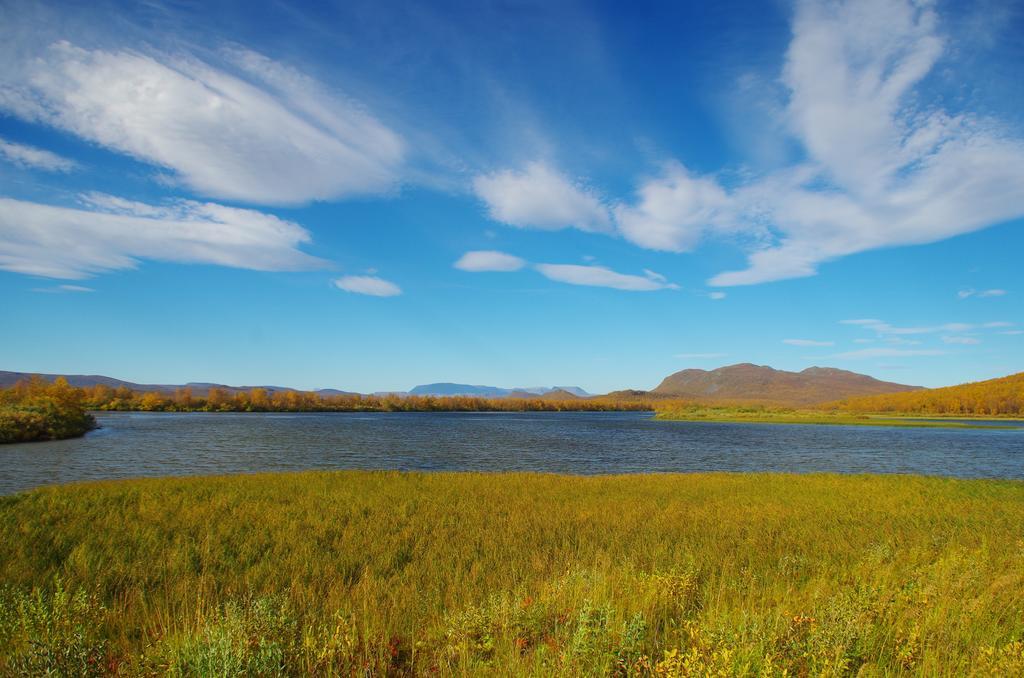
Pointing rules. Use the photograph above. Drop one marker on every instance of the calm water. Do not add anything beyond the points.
(142, 444)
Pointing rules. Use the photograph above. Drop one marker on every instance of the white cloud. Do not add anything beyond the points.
(111, 233)
(264, 134)
(807, 342)
(489, 260)
(700, 356)
(368, 284)
(884, 167)
(1012, 332)
(886, 353)
(574, 274)
(997, 324)
(671, 212)
(964, 294)
(900, 341)
(966, 341)
(540, 197)
(599, 276)
(35, 158)
(64, 288)
(885, 329)
(717, 295)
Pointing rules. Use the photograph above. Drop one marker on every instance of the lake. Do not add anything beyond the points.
(156, 444)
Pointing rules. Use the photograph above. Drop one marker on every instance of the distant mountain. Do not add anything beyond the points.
(522, 395)
(8, 379)
(449, 389)
(552, 394)
(575, 390)
(747, 382)
(560, 394)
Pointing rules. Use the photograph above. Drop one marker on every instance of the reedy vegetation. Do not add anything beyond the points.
(475, 574)
(767, 414)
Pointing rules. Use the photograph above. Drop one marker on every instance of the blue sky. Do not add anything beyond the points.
(368, 195)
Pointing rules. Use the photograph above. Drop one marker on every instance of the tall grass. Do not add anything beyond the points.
(769, 414)
(475, 574)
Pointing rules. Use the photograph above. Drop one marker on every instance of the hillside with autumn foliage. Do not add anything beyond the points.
(995, 397)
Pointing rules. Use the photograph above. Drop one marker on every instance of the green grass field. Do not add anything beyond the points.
(514, 574)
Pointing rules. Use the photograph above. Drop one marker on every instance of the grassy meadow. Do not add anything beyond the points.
(382, 573)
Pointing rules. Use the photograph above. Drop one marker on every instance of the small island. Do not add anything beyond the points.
(39, 410)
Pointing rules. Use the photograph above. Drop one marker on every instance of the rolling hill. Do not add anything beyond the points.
(993, 397)
(8, 379)
(759, 383)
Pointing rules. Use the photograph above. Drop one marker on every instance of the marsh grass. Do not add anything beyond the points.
(373, 573)
(764, 414)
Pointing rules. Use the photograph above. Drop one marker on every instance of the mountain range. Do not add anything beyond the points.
(739, 383)
(449, 389)
(8, 379)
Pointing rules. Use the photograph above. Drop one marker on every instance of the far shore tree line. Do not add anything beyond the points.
(106, 398)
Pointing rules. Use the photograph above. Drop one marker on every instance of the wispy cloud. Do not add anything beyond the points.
(590, 275)
(883, 169)
(599, 276)
(58, 289)
(541, 197)
(717, 295)
(902, 341)
(965, 294)
(807, 342)
(34, 158)
(369, 285)
(965, 341)
(884, 166)
(109, 233)
(886, 353)
(489, 260)
(884, 328)
(260, 132)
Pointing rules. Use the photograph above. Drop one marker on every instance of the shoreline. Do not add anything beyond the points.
(877, 420)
